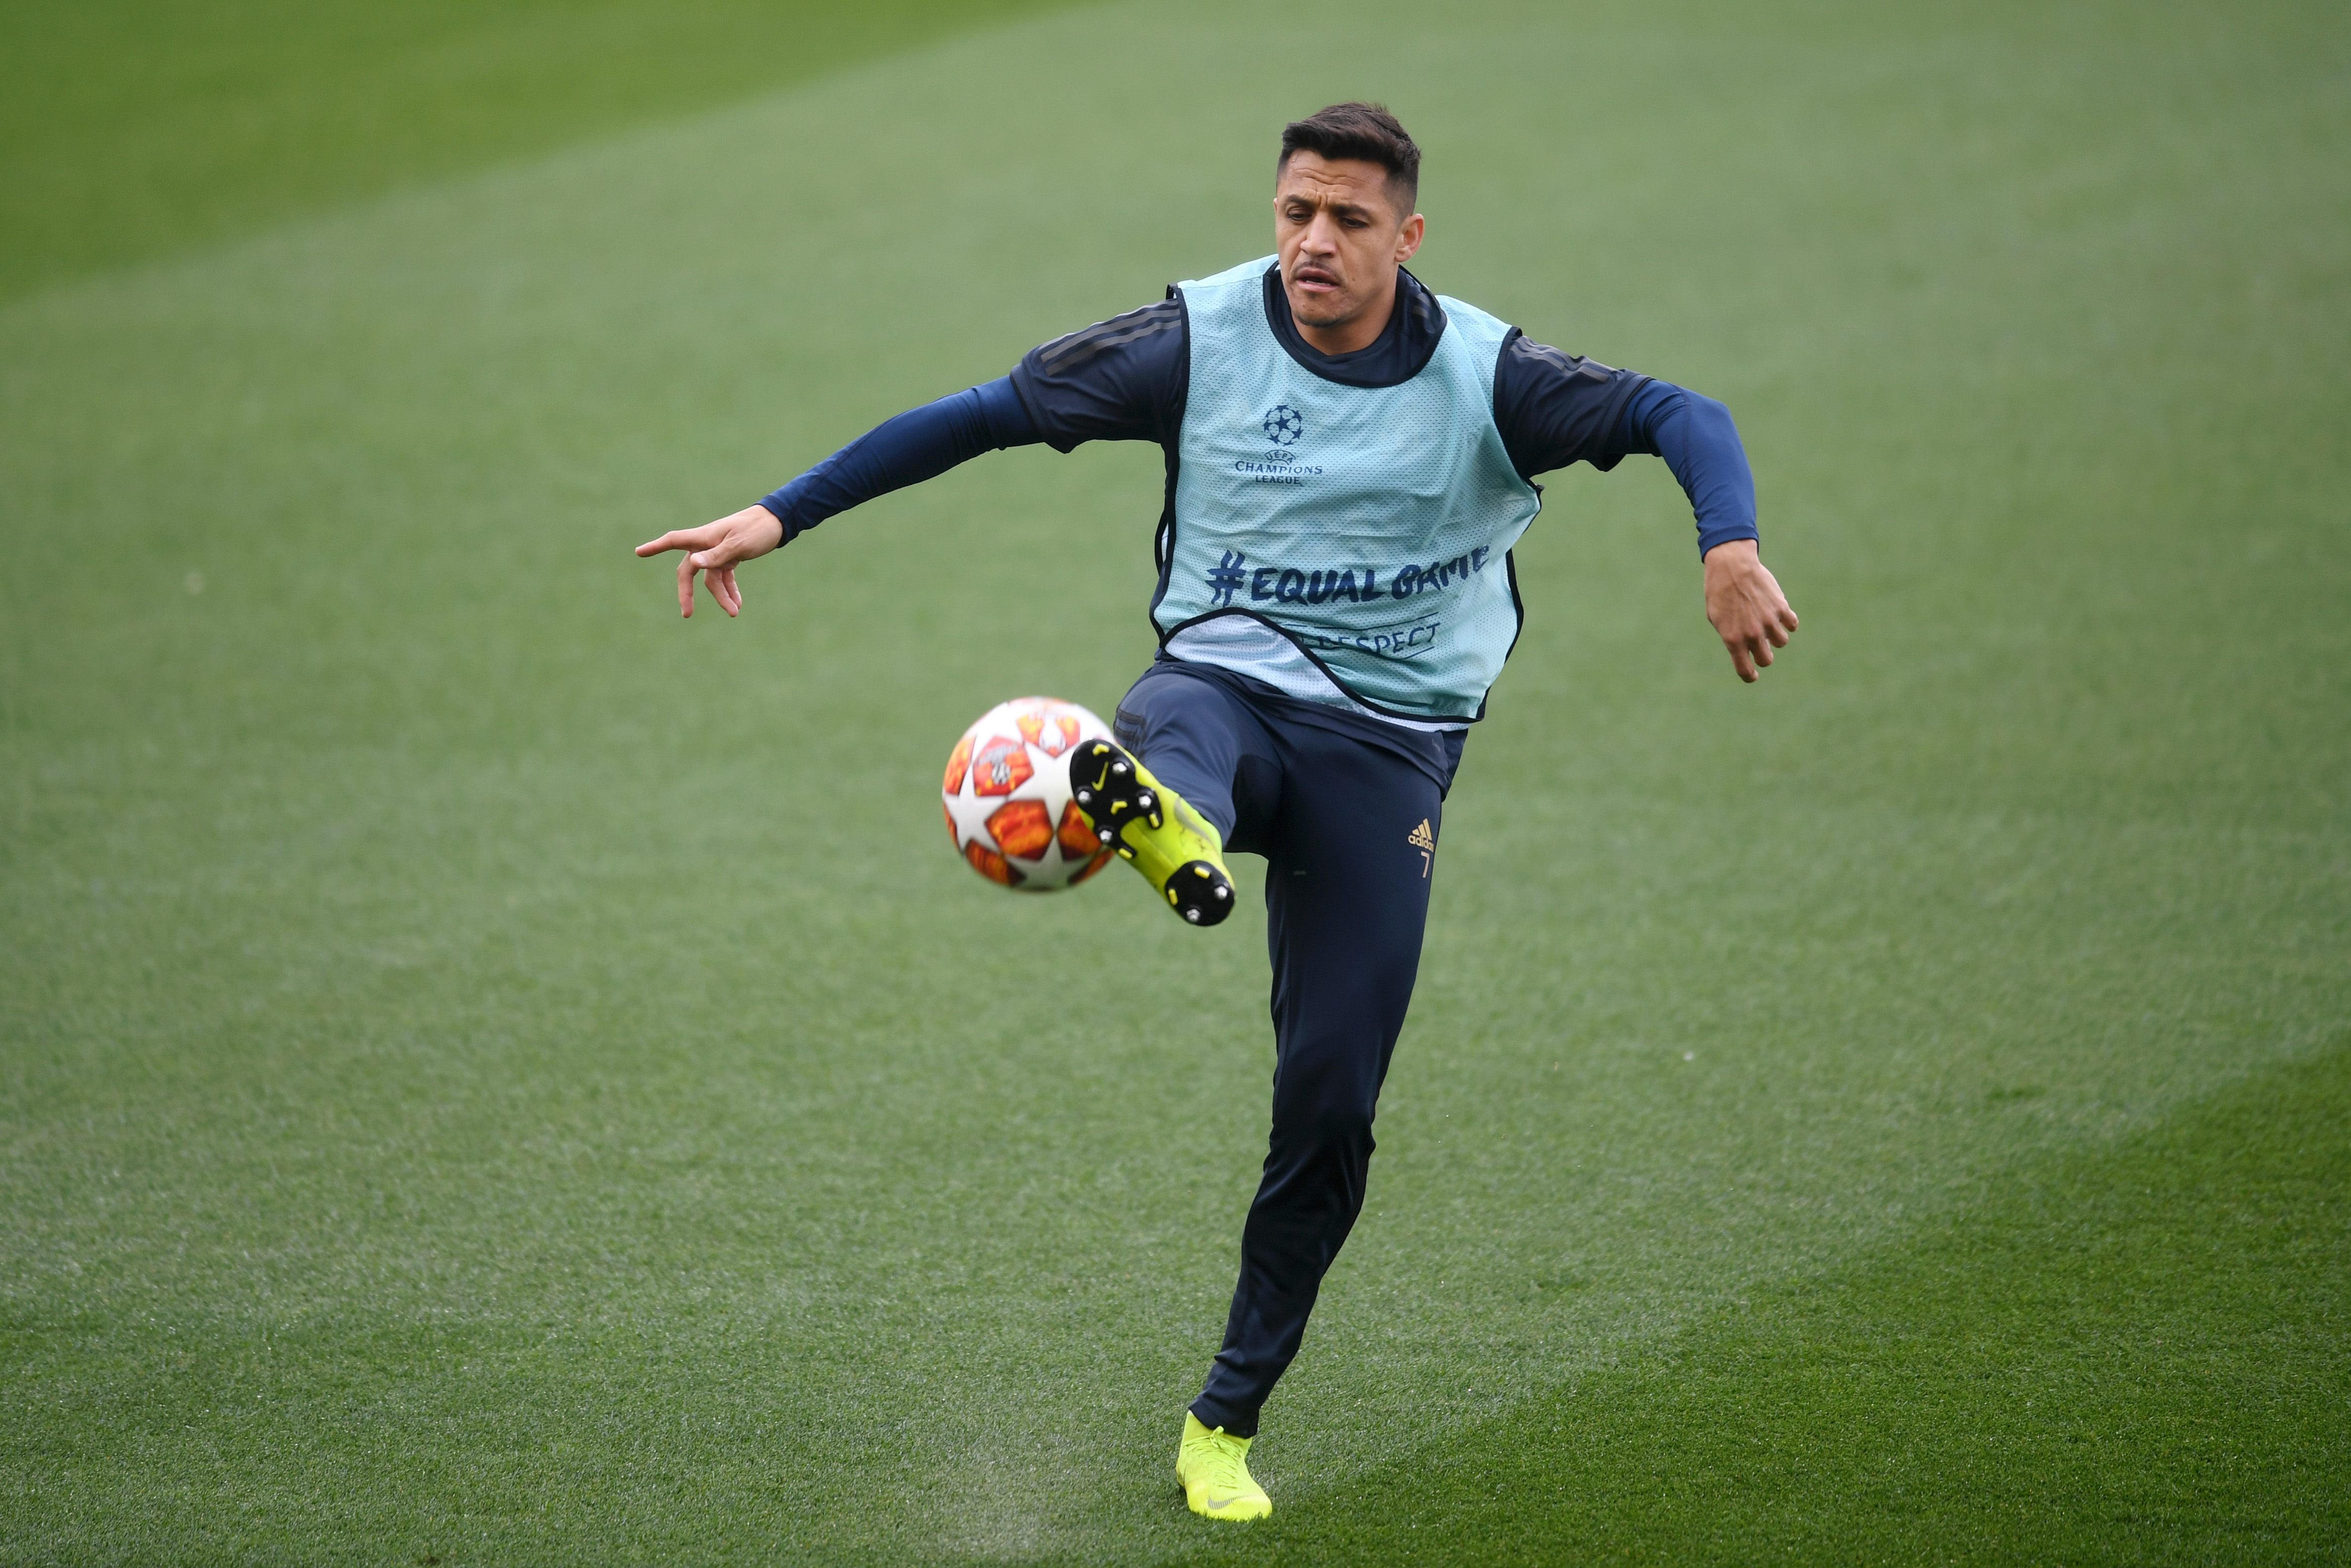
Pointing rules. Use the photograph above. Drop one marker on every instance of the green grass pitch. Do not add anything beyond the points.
(491, 1074)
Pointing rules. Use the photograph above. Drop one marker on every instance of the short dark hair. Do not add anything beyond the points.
(1362, 130)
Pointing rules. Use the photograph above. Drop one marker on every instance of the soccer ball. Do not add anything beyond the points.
(1007, 793)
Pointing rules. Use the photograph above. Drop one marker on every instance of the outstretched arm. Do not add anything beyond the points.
(1120, 380)
(1699, 441)
(919, 444)
(1555, 408)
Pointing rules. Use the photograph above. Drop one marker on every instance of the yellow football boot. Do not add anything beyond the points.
(1214, 1467)
(1179, 851)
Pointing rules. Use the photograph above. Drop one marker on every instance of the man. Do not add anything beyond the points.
(1350, 459)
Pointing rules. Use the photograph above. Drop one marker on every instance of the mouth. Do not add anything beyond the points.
(1314, 280)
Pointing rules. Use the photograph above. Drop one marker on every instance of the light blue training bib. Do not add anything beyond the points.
(1370, 527)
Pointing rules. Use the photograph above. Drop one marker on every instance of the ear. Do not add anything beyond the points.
(1409, 236)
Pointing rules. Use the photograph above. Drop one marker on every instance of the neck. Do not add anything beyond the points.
(1360, 331)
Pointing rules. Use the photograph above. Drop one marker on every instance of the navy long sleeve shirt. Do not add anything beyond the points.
(1127, 380)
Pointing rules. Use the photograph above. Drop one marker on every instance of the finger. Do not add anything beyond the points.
(723, 588)
(743, 542)
(720, 553)
(1738, 659)
(678, 538)
(685, 587)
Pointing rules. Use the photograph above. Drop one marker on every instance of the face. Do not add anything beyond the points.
(1341, 237)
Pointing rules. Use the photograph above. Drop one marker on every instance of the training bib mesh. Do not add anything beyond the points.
(1370, 526)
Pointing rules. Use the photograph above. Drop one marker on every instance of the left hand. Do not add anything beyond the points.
(1744, 601)
(713, 550)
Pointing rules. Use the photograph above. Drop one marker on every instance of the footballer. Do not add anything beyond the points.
(1349, 459)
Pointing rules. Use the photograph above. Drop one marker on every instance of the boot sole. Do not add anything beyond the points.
(1108, 786)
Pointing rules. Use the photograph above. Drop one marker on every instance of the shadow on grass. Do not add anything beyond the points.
(2133, 1356)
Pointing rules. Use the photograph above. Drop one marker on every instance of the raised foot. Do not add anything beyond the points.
(1200, 892)
(1176, 850)
(1109, 788)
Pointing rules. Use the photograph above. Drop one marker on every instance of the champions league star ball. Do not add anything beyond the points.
(1006, 792)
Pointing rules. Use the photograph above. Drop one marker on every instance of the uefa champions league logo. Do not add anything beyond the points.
(1278, 462)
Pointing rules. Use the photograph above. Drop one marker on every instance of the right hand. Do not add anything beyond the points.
(713, 550)
(1744, 601)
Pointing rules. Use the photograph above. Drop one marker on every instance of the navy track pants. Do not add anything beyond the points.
(1346, 894)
